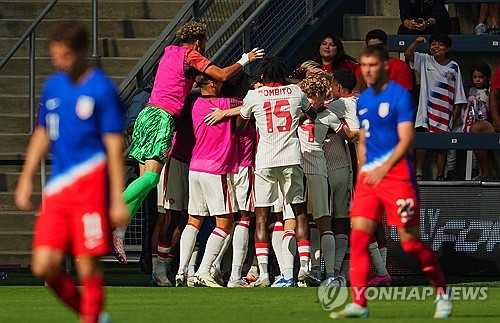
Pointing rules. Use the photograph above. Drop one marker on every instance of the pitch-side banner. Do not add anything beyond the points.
(461, 222)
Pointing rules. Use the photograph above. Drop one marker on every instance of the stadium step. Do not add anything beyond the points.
(7, 201)
(15, 257)
(14, 123)
(17, 221)
(356, 26)
(8, 182)
(15, 240)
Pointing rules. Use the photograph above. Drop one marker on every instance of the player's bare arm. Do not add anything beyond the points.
(223, 74)
(241, 123)
(410, 51)
(118, 211)
(37, 148)
(406, 135)
(218, 115)
(348, 134)
(361, 151)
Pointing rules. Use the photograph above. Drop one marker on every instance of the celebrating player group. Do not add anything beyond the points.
(268, 154)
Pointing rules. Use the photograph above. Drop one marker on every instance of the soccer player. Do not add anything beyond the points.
(154, 128)
(211, 191)
(312, 134)
(81, 120)
(386, 182)
(276, 108)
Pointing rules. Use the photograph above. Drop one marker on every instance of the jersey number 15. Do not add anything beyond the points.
(276, 111)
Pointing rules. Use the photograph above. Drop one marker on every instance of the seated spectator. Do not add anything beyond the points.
(441, 93)
(423, 17)
(398, 72)
(492, 9)
(332, 57)
(490, 125)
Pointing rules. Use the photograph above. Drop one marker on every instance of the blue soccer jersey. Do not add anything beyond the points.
(379, 115)
(76, 116)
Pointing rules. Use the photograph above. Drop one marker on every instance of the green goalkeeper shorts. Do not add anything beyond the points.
(152, 136)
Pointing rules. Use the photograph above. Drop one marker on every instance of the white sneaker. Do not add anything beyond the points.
(206, 280)
(217, 275)
(180, 278)
(444, 306)
(261, 283)
(237, 283)
(253, 274)
(334, 281)
(162, 280)
(351, 310)
(104, 318)
(190, 282)
(481, 29)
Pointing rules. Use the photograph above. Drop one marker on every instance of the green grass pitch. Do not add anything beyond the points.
(144, 304)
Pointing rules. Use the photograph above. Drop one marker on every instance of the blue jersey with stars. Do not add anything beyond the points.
(76, 116)
(379, 115)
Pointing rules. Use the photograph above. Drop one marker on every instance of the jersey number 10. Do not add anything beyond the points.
(270, 111)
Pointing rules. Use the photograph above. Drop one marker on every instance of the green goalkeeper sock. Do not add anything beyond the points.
(137, 191)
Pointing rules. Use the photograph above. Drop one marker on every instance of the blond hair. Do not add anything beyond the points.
(314, 84)
(191, 32)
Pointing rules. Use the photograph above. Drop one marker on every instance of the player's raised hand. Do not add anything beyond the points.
(118, 213)
(22, 194)
(421, 40)
(256, 53)
(215, 116)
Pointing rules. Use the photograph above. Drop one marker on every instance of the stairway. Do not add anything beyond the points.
(126, 30)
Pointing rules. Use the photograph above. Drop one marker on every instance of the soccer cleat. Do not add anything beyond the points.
(261, 283)
(252, 275)
(316, 272)
(351, 310)
(380, 280)
(118, 249)
(180, 278)
(206, 280)
(444, 306)
(217, 275)
(3, 276)
(481, 29)
(190, 282)
(104, 318)
(282, 282)
(334, 281)
(238, 283)
(307, 278)
(161, 280)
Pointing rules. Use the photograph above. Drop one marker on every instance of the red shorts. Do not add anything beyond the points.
(76, 217)
(396, 194)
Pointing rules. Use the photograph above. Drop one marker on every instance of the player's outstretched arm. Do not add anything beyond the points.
(217, 115)
(118, 211)
(410, 51)
(223, 74)
(37, 148)
(406, 135)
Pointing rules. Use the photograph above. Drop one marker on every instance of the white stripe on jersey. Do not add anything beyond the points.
(276, 111)
(312, 133)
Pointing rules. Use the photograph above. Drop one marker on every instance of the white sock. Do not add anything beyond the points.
(315, 241)
(120, 232)
(341, 244)
(187, 242)
(304, 248)
(214, 246)
(240, 247)
(288, 250)
(262, 253)
(163, 251)
(383, 254)
(154, 262)
(377, 259)
(328, 248)
(218, 260)
(192, 260)
(277, 233)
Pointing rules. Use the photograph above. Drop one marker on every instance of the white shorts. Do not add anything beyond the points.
(173, 188)
(280, 207)
(317, 195)
(340, 181)
(288, 179)
(243, 185)
(211, 195)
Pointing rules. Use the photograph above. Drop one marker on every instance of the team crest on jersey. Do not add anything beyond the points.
(383, 109)
(85, 107)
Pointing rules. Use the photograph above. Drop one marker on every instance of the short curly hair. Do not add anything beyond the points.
(191, 32)
(314, 84)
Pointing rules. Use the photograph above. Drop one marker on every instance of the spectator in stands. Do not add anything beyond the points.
(441, 93)
(398, 69)
(491, 125)
(332, 57)
(492, 9)
(423, 17)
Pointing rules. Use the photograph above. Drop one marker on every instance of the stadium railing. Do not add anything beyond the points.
(461, 43)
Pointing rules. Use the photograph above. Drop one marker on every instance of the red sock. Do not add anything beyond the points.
(92, 299)
(65, 288)
(360, 265)
(428, 261)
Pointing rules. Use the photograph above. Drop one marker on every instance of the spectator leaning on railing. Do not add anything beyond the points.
(423, 17)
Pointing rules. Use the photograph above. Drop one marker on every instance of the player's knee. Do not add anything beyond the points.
(42, 270)
(412, 246)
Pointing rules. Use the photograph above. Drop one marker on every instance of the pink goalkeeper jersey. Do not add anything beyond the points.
(246, 146)
(216, 148)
